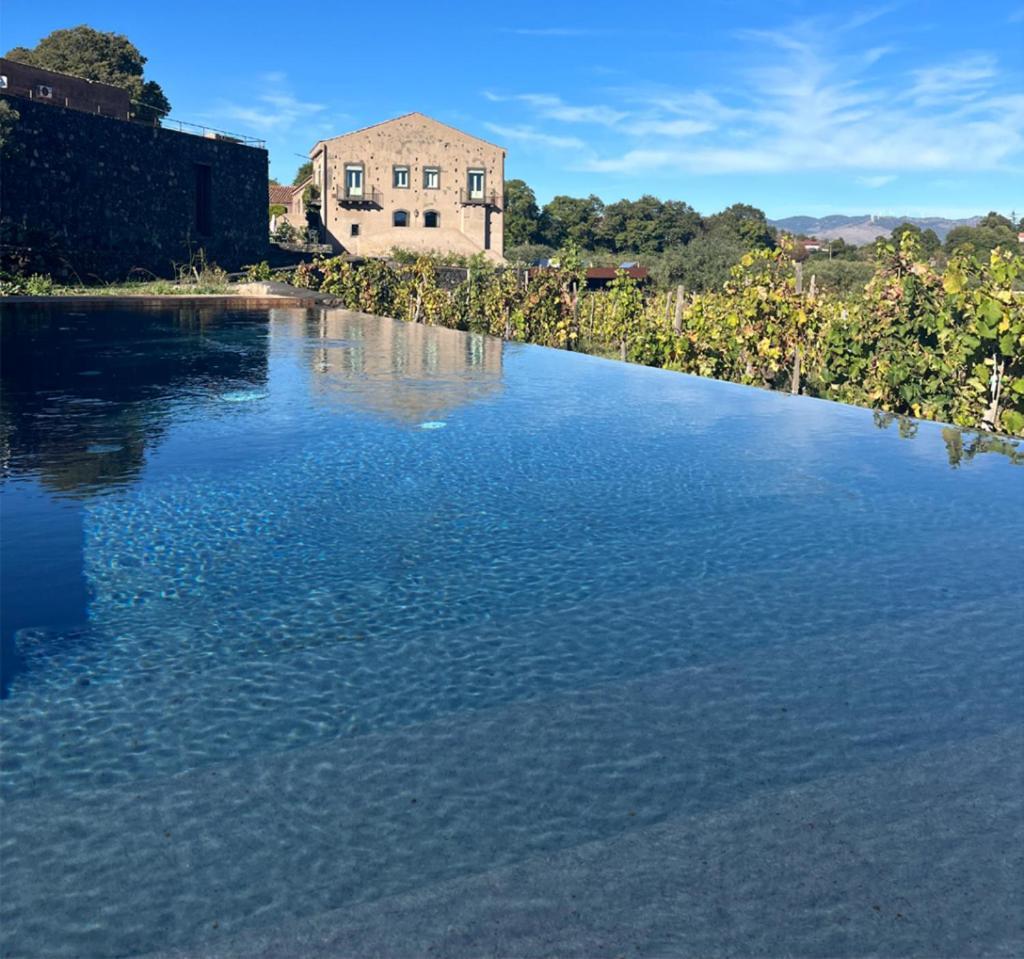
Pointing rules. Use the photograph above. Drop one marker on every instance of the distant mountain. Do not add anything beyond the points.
(859, 230)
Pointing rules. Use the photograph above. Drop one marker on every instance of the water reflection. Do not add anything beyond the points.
(962, 446)
(84, 393)
(402, 371)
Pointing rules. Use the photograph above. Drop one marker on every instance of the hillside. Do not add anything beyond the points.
(863, 229)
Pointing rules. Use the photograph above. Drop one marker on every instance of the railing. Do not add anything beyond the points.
(473, 198)
(197, 129)
(347, 196)
(84, 104)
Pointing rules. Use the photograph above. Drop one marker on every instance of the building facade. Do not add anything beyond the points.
(411, 183)
(294, 213)
(63, 90)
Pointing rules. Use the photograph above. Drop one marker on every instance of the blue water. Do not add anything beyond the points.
(328, 635)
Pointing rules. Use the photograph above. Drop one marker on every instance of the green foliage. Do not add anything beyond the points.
(992, 231)
(647, 225)
(703, 264)
(528, 253)
(304, 172)
(745, 224)
(522, 215)
(913, 343)
(258, 271)
(9, 118)
(107, 57)
(568, 219)
(37, 284)
(841, 277)
(285, 233)
(928, 241)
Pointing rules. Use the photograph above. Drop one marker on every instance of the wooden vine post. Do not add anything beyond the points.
(677, 321)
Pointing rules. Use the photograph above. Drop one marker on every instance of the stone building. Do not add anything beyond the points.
(63, 90)
(89, 195)
(411, 183)
(289, 197)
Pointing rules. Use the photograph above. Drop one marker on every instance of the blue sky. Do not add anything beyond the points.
(903, 108)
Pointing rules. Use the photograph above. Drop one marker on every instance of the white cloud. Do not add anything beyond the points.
(879, 180)
(550, 107)
(529, 135)
(274, 110)
(806, 101)
(960, 80)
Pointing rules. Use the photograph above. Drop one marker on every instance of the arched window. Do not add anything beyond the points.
(400, 218)
(431, 218)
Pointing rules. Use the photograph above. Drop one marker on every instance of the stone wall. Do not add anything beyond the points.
(97, 197)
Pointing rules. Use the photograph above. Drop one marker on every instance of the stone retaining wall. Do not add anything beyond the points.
(98, 197)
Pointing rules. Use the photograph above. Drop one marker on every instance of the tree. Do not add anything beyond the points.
(745, 223)
(927, 240)
(304, 172)
(647, 225)
(568, 218)
(982, 239)
(703, 264)
(995, 220)
(106, 57)
(522, 215)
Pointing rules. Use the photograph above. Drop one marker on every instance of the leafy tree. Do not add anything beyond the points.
(647, 225)
(304, 172)
(983, 238)
(703, 264)
(571, 219)
(927, 240)
(746, 224)
(522, 215)
(106, 57)
(995, 220)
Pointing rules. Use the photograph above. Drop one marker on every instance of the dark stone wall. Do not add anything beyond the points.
(99, 197)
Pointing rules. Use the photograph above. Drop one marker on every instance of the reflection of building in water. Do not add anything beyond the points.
(84, 393)
(405, 371)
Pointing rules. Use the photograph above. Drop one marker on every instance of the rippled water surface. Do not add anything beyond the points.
(326, 635)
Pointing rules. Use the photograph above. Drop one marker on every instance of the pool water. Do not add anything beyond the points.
(329, 635)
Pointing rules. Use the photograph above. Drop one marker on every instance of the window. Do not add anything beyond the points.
(476, 184)
(204, 199)
(353, 179)
(431, 218)
(353, 230)
(400, 218)
(401, 178)
(431, 178)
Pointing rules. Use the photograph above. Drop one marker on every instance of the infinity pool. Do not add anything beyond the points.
(326, 635)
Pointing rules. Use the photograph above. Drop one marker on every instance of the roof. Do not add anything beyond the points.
(609, 272)
(281, 194)
(407, 116)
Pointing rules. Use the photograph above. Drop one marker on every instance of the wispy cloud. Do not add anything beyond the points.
(275, 110)
(808, 98)
(874, 182)
(551, 107)
(959, 80)
(531, 136)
